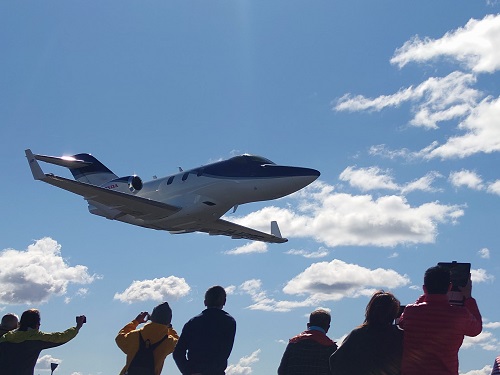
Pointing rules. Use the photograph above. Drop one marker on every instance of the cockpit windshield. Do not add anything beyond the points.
(253, 159)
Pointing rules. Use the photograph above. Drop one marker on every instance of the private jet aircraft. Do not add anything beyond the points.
(189, 201)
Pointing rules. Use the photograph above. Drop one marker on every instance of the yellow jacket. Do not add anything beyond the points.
(128, 341)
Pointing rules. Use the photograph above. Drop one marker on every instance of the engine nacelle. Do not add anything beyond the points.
(128, 184)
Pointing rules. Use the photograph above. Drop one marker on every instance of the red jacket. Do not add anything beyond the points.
(433, 333)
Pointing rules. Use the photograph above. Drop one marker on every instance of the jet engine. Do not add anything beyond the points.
(127, 184)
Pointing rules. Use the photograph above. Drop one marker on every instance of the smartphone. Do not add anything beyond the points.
(460, 274)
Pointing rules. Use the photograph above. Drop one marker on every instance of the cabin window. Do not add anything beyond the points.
(170, 180)
(185, 176)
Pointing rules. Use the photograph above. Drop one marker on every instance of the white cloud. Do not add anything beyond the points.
(339, 219)
(161, 289)
(485, 340)
(37, 274)
(43, 363)
(481, 276)
(422, 184)
(486, 370)
(249, 248)
(481, 134)
(320, 253)
(332, 281)
(367, 179)
(484, 253)
(435, 100)
(324, 282)
(477, 46)
(466, 178)
(494, 187)
(243, 367)
(492, 325)
(372, 178)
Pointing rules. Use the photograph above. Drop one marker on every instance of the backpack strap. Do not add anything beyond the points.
(147, 343)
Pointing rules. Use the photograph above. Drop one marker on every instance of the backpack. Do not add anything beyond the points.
(143, 362)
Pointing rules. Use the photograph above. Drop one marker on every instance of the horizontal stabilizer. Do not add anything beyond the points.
(65, 161)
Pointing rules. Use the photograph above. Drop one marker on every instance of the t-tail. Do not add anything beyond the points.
(88, 170)
(84, 168)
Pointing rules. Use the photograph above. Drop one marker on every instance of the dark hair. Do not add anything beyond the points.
(320, 318)
(215, 297)
(10, 321)
(29, 319)
(437, 280)
(162, 314)
(382, 309)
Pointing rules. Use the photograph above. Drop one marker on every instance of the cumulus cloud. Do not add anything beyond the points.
(494, 187)
(332, 281)
(486, 370)
(367, 179)
(374, 178)
(43, 363)
(249, 248)
(440, 99)
(35, 275)
(476, 45)
(434, 100)
(161, 289)
(481, 276)
(469, 179)
(320, 253)
(484, 253)
(339, 219)
(485, 340)
(323, 282)
(480, 134)
(492, 325)
(243, 367)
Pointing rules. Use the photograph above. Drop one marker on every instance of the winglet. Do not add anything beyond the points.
(35, 167)
(275, 230)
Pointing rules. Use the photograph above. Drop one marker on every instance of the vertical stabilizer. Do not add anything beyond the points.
(93, 172)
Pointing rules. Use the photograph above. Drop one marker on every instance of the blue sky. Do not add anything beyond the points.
(396, 103)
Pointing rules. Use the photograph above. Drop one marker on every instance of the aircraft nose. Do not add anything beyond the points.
(283, 171)
(304, 174)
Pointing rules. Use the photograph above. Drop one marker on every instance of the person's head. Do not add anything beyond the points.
(29, 319)
(382, 309)
(9, 322)
(320, 318)
(162, 314)
(437, 280)
(215, 297)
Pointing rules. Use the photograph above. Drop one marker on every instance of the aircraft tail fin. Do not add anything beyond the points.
(84, 167)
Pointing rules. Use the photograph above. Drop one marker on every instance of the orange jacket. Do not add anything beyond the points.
(128, 341)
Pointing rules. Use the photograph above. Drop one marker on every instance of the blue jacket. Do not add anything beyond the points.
(205, 343)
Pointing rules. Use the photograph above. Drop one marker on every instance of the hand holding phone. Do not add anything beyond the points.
(143, 317)
(460, 279)
(80, 321)
(467, 289)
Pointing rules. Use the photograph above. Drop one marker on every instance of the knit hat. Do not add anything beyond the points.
(162, 314)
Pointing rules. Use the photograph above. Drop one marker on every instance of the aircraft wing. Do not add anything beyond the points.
(138, 207)
(227, 228)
